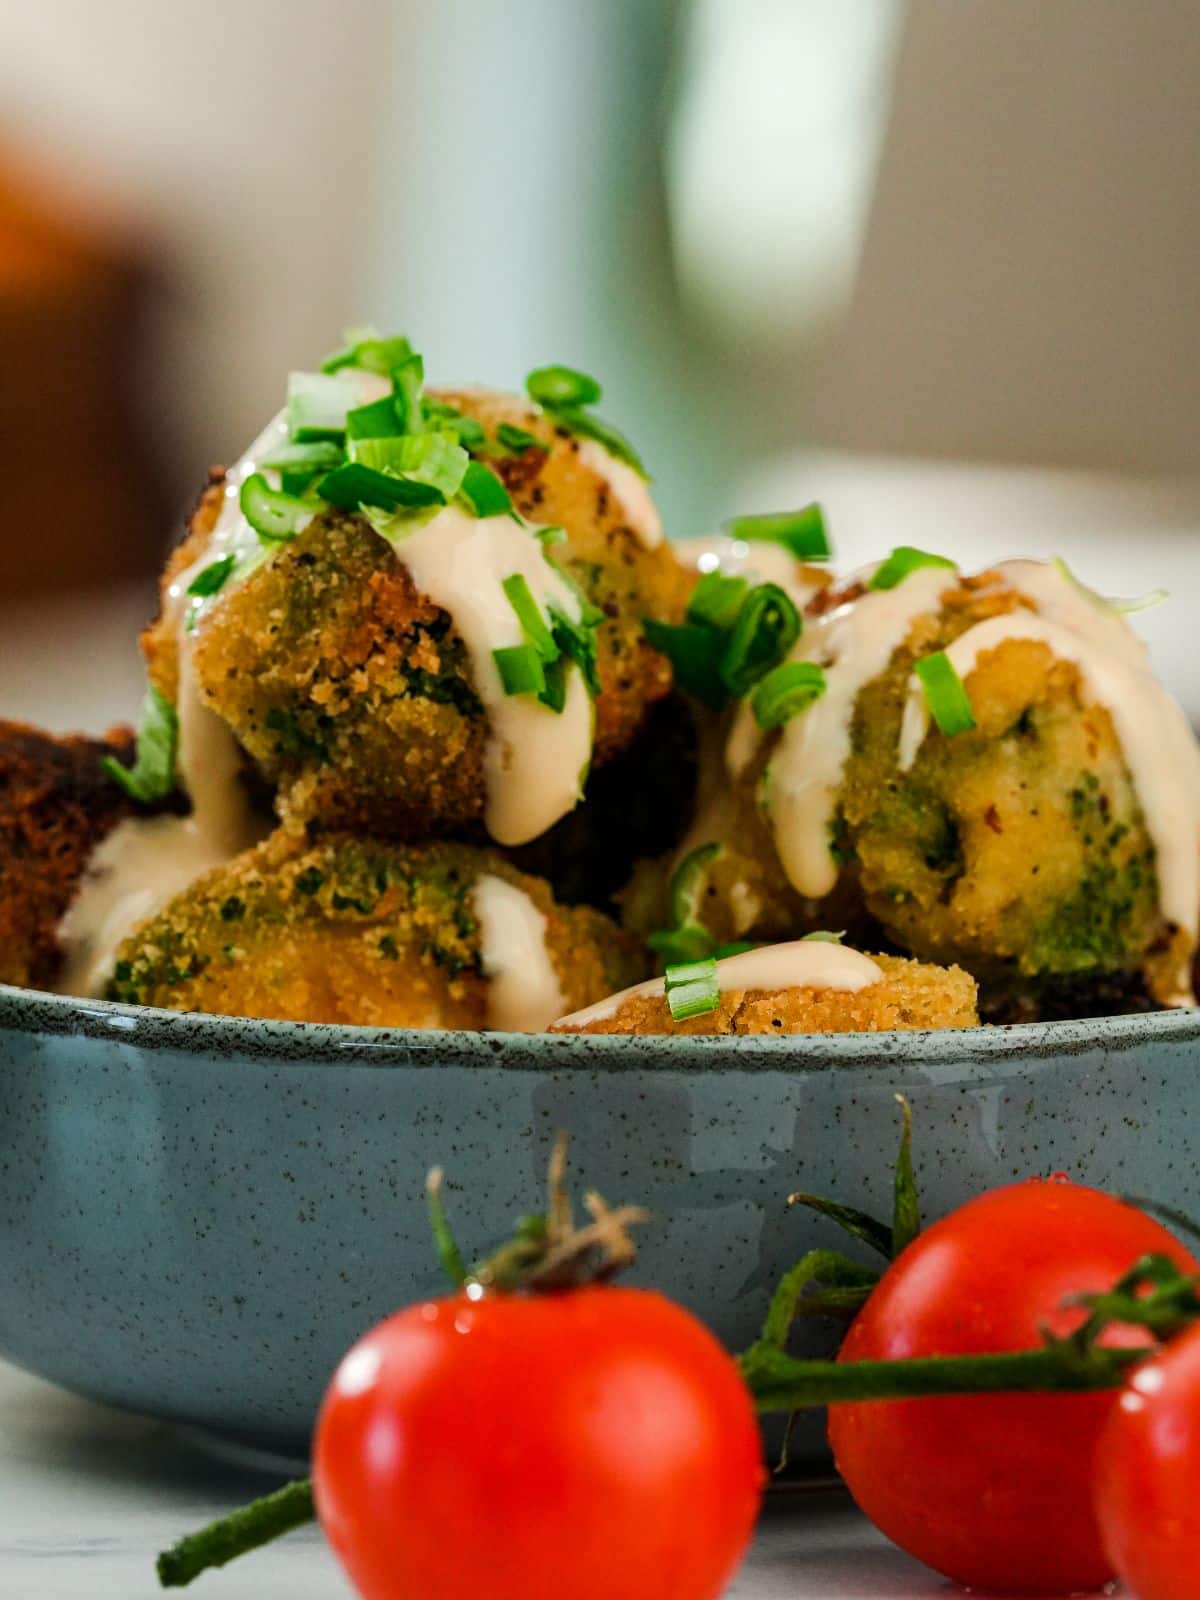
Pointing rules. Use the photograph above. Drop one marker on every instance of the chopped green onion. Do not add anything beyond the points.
(520, 598)
(944, 694)
(357, 485)
(320, 455)
(436, 459)
(592, 427)
(442, 415)
(577, 641)
(688, 943)
(563, 394)
(823, 936)
(549, 536)
(904, 560)
(521, 670)
(298, 464)
(802, 532)
(273, 515)
(484, 492)
(212, 579)
(767, 627)
(785, 692)
(688, 880)
(152, 776)
(379, 420)
(366, 349)
(407, 381)
(554, 694)
(553, 387)
(589, 615)
(317, 405)
(717, 599)
(737, 948)
(694, 652)
(692, 988)
(519, 439)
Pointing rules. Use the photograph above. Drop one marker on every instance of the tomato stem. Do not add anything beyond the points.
(780, 1382)
(232, 1536)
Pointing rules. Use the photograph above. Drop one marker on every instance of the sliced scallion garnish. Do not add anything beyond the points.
(436, 459)
(379, 420)
(366, 349)
(484, 492)
(767, 626)
(212, 578)
(440, 414)
(904, 560)
(577, 420)
(823, 936)
(945, 694)
(519, 439)
(688, 881)
(717, 599)
(564, 395)
(802, 532)
(554, 695)
(521, 669)
(691, 942)
(317, 404)
(577, 641)
(549, 536)
(152, 776)
(694, 652)
(274, 515)
(786, 691)
(355, 485)
(537, 630)
(319, 455)
(557, 386)
(408, 379)
(692, 988)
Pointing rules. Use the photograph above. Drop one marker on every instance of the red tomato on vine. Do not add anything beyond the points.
(1147, 1485)
(994, 1490)
(518, 1441)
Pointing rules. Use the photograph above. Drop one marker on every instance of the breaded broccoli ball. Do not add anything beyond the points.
(365, 932)
(872, 994)
(57, 805)
(1046, 840)
(354, 645)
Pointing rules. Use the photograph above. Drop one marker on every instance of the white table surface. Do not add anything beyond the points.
(89, 1496)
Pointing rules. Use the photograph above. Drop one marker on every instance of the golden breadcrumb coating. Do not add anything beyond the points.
(356, 931)
(352, 692)
(1017, 849)
(910, 995)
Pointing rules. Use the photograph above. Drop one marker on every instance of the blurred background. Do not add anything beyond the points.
(933, 264)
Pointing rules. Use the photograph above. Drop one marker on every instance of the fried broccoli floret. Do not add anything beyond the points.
(353, 692)
(1017, 848)
(357, 931)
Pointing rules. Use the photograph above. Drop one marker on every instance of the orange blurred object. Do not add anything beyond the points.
(81, 498)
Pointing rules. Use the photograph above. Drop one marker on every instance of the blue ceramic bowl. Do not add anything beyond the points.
(198, 1214)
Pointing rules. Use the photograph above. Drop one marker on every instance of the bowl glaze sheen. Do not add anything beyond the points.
(199, 1214)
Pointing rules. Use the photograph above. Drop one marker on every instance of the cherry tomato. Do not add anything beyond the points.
(1148, 1475)
(993, 1490)
(597, 1443)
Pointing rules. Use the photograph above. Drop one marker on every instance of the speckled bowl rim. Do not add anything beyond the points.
(281, 1044)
